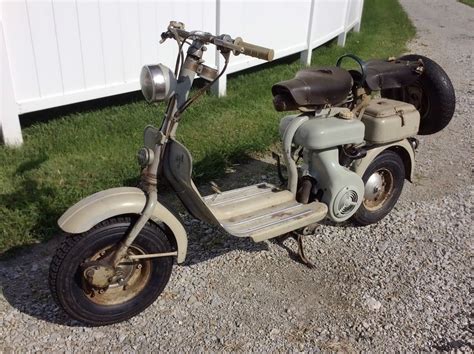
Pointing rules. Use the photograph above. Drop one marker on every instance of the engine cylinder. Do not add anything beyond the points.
(343, 190)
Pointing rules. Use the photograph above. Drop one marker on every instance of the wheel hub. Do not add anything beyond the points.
(378, 188)
(99, 276)
(414, 95)
(107, 285)
(373, 186)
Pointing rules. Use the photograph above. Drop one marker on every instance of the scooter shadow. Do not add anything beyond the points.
(24, 284)
(24, 275)
(24, 278)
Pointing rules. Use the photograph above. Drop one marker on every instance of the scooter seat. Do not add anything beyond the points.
(382, 74)
(312, 87)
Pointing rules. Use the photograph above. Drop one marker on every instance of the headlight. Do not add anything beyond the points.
(157, 82)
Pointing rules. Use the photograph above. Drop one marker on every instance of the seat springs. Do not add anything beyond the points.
(349, 98)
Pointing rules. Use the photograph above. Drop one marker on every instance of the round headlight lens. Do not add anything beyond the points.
(157, 82)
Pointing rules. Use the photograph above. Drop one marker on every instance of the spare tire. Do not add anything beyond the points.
(432, 94)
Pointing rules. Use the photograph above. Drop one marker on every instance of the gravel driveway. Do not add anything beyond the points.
(402, 284)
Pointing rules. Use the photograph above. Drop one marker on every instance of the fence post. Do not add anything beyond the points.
(341, 39)
(305, 55)
(10, 129)
(359, 16)
(220, 86)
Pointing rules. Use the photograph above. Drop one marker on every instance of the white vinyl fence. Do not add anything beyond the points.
(58, 52)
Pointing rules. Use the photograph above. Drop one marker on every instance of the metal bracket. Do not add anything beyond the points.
(153, 136)
(153, 255)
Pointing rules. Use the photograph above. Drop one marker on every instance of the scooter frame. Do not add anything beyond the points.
(173, 161)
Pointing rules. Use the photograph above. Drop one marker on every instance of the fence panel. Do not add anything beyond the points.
(354, 15)
(69, 45)
(58, 52)
(274, 25)
(19, 50)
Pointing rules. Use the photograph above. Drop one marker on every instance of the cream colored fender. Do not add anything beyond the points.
(103, 205)
(402, 147)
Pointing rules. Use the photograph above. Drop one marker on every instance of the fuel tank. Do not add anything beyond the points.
(323, 133)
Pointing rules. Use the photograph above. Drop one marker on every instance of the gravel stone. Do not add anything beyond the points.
(400, 285)
(372, 304)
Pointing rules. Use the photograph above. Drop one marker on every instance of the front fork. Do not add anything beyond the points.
(150, 181)
(100, 274)
(149, 176)
(123, 246)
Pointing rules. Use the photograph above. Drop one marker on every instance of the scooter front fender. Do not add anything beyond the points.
(103, 205)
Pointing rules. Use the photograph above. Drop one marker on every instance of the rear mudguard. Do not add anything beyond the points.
(100, 206)
(402, 148)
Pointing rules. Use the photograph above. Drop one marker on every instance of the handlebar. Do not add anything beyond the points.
(254, 50)
(222, 42)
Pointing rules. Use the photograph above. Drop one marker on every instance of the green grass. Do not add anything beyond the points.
(468, 2)
(74, 155)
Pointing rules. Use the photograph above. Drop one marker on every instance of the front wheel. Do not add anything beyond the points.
(139, 282)
(383, 182)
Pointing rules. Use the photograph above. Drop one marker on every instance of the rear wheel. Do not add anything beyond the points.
(432, 95)
(135, 285)
(383, 180)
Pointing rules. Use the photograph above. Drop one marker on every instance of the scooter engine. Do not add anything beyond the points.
(342, 190)
(346, 202)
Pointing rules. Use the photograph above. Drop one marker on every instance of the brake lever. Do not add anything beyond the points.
(164, 37)
(228, 45)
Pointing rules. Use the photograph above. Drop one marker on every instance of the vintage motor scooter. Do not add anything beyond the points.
(354, 132)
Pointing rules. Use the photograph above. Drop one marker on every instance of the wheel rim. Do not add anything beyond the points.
(378, 188)
(132, 278)
(414, 95)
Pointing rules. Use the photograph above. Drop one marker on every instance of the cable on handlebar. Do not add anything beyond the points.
(201, 91)
(180, 57)
(225, 47)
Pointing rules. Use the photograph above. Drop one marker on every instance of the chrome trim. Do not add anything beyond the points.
(233, 200)
(228, 196)
(245, 221)
(249, 231)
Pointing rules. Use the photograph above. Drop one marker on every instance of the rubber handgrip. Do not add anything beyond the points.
(254, 50)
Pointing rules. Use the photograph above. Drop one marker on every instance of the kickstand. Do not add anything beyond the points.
(299, 239)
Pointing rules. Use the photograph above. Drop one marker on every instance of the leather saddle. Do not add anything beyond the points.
(320, 86)
(382, 74)
(312, 87)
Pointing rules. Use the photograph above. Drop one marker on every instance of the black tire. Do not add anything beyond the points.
(390, 165)
(432, 94)
(150, 276)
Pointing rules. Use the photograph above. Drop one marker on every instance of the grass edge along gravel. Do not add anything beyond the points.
(467, 2)
(79, 153)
